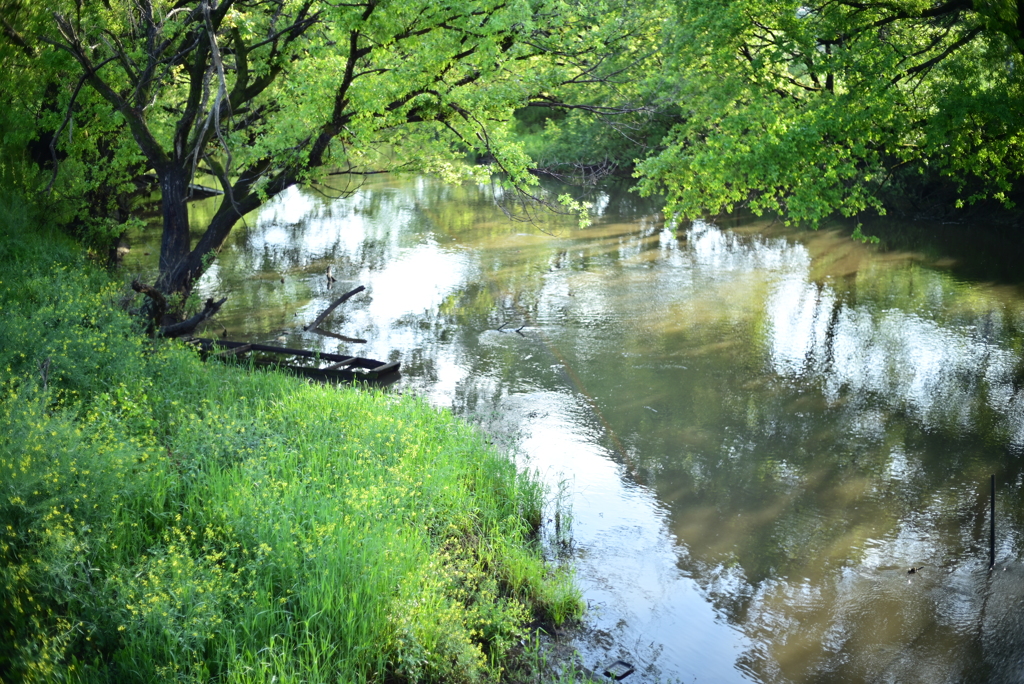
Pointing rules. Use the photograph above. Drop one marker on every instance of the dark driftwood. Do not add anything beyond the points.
(519, 330)
(305, 353)
(338, 302)
(342, 368)
(187, 326)
(160, 308)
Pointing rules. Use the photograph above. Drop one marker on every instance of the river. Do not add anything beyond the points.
(759, 430)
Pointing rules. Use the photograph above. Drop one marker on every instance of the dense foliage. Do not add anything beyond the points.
(263, 95)
(810, 108)
(162, 519)
(805, 109)
(614, 108)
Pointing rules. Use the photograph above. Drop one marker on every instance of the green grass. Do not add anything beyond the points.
(165, 519)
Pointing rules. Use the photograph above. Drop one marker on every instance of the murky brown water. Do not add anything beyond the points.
(759, 432)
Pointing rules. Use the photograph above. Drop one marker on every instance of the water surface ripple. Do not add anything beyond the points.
(759, 431)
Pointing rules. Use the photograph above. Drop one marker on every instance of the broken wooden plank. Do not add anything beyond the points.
(386, 368)
(338, 302)
(340, 364)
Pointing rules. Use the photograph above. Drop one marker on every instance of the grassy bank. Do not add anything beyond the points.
(165, 519)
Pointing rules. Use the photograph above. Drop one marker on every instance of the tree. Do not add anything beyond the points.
(807, 109)
(264, 94)
(93, 196)
(612, 109)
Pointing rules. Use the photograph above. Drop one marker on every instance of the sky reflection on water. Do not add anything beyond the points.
(761, 430)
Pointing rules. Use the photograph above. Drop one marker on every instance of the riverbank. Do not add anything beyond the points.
(162, 518)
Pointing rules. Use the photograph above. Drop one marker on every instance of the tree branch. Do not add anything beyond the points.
(17, 39)
(338, 302)
(925, 66)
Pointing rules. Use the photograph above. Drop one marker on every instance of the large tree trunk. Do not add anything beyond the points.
(181, 274)
(176, 245)
(238, 201)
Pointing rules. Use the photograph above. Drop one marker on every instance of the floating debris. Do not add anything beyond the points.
(620, 669)
(342, 369)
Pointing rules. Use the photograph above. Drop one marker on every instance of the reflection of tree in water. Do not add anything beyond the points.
(812, 428)
(933, 350)
(806, 458)
(782, 483)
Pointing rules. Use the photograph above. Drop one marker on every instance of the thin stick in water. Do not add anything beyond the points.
(338, 302)
(992, 527)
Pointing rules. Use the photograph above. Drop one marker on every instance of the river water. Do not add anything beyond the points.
(759, 431)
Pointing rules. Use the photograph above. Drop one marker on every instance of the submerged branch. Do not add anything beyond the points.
(159, 307)
(187, 326)
(338, 302)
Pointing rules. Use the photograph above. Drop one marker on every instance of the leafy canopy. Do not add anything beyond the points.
(263, 94)
(807, 109)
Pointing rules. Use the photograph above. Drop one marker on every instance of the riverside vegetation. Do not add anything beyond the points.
(165, 519)
(802, 109)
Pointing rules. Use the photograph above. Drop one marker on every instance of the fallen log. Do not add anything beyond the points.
(232, 351)
(342, 369)
(187, 326)
(159, 303)
(209, 343)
